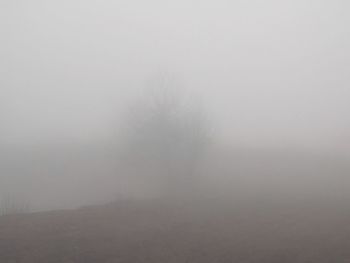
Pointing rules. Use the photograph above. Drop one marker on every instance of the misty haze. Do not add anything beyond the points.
(174, 131)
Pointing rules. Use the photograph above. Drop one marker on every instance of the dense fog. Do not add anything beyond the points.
(129, 99)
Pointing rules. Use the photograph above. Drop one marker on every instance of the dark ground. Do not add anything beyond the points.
(160, 232)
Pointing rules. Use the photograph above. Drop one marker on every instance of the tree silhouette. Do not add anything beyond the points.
(167, 137)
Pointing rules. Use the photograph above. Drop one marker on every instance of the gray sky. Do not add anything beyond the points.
(268, 72)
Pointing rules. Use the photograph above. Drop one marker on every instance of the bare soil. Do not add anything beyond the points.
(181, 232)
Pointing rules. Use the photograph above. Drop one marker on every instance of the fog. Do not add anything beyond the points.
(270, 77)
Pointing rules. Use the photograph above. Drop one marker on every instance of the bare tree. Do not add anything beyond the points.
(11, 204)
(167, 137)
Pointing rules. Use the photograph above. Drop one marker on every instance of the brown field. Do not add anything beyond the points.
(163, 232)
